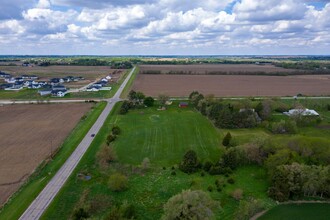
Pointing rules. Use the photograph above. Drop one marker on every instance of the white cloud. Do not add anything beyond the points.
(269, 10)
(169, 25)
(43, 4)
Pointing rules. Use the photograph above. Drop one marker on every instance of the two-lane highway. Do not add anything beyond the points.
(40, 204)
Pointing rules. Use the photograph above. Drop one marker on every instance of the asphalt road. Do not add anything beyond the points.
(40, 204)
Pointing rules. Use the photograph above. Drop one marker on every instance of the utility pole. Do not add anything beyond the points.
(51, 149)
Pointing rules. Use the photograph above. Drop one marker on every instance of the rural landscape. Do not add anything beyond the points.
(243, 140)
(165, 110)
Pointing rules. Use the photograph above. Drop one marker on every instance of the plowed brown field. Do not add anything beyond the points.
(216, 68)
(232, 85)
(27, 134)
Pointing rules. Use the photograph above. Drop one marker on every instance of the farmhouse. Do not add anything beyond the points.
(301, 112)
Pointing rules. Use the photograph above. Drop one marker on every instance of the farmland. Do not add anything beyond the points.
(233, 85)
(209, 69)
(29, 134)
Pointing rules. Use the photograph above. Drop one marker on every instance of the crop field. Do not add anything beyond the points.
(202, 69)
(317, 211)
(29, 134)
(90, 73)
(232, 85)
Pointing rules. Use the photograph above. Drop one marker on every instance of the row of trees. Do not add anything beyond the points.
(223, 115)
(136, 100)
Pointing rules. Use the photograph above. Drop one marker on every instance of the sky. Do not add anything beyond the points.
(165, 27)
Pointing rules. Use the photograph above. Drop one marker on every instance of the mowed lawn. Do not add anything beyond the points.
(308, 211)
(164, 136)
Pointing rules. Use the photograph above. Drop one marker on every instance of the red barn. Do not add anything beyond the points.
(183, 104)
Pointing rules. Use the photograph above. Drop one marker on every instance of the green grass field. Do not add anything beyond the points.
(306, 211)
(164, 136)
(38, 180)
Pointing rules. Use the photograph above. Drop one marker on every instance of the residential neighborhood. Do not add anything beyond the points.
(53, 86)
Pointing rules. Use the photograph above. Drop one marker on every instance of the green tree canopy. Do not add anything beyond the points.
(190, 205)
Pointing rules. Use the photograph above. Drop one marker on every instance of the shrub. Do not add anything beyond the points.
(164, 168)
(226, 140)
(80, 213)
(196, 183)
(118, 182)
(219, 182)
(111, 138)
(106, 155)
(248, 209)
(237, 194)
(202, 174)
(216, 170)
(231, 181)
(207, 166)
(124, 211)
(210, 188)
(173, 173)
(125, 107)
(116, 130)
(190, 205)
(190, 162)
(149, 101)
(145, 163)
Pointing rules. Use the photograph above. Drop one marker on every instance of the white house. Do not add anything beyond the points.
(302, 112)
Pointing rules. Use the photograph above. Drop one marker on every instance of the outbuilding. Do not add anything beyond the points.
(183, 104)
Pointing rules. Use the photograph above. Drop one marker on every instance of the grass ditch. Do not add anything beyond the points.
(129, 84)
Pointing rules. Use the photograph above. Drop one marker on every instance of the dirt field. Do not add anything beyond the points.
(234, 85)
(28, 132)
(216, 68)
(90, 73)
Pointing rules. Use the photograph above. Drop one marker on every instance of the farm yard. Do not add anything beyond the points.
(29, 134)
(209, 69)
(233, 85)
